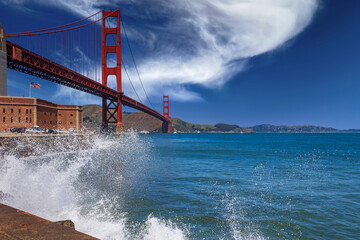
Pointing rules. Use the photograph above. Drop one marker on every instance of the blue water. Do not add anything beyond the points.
(196, 186)
(245, 186)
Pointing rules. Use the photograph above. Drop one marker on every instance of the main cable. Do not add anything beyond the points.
(56, 31)
(47, 29)
(122, 64)
(132, 55)
(132, 85)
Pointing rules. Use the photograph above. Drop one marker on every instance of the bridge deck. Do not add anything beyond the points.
(23, 60)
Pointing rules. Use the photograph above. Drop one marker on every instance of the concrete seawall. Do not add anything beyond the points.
(17, 224)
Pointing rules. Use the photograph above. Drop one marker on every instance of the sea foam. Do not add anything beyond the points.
(85, 186)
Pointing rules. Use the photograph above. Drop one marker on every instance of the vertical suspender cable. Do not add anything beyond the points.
(83, 51)
(61, 49)
(55, 47)
(133, 58)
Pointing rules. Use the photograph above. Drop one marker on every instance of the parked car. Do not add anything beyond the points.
(35, 130)
(18, 130)
(51, 131)
(73, 131)
(60, 131)
(21, 129)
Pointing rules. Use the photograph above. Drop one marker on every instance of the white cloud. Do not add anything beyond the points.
(227, 34)
(202, 42)
(75, 96)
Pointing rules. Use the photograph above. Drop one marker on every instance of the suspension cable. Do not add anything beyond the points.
(47, 29)
(132, 55)
(122, 64)
(132, 85)
(56, 31)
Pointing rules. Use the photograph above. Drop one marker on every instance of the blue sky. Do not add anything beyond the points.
(242, 62)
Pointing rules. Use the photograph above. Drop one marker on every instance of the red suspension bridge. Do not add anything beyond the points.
(70, 55)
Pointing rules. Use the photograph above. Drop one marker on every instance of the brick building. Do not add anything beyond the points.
(29, 112)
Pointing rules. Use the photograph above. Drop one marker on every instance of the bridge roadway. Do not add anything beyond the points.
(23, 60)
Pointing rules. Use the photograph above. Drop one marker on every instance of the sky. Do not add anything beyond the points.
(243, 62)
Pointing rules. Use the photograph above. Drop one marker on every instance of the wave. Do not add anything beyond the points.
(86, 186)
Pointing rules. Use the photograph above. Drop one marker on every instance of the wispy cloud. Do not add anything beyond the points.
(207, 42)
(75, 96)
(202, 42)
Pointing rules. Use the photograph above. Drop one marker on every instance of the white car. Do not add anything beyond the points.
(35, 130)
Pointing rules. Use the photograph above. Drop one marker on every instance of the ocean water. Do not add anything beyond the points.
(196, 186)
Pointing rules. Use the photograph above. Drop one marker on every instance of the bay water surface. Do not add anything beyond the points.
(196, 186)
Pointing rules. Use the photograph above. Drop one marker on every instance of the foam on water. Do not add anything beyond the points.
(239, 229)
(85, 186)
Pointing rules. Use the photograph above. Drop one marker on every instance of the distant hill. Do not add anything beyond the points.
(268, 128)
(92, 116)
(182, 126)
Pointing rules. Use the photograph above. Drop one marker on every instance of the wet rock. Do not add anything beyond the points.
(66, 223)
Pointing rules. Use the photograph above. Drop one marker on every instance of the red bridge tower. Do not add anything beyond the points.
(166, 114)
(112, 109)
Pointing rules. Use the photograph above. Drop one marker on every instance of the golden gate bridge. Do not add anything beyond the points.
(70, 55)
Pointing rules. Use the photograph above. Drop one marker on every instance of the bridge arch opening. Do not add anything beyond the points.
(111, 60)
(111, 40)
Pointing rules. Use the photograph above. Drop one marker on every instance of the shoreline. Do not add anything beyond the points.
(17, 224)
(36, 145)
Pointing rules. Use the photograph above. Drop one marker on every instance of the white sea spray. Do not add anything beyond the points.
(84, 185)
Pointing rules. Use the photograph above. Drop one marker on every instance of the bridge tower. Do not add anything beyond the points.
(3, 63)
(166, 114)
(112, 109)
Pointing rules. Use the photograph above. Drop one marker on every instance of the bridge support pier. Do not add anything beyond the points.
(104, 124)
(112, 114)
(119, 123)
(166, 127)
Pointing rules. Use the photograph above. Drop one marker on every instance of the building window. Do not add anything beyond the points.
(30, 111)
(19, 120)
(4, 110)
(30, 119)
(3, 119)
(70, 123)
(50, 122)
(19, 110)
(27, 120)
(27, 111)
(45, 121)
(44, 113)
(12, 120)
(60, 122)
(59, 114)
(71, 115)
(12, 110)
